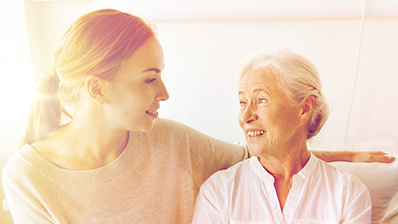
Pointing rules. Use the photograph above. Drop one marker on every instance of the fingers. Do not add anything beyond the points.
(356, 157)
(372, 157)
(382, 159)
(381, 153)
(379, 157)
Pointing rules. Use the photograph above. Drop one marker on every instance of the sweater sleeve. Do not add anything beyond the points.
(22, 187)
(209, 155)
(201, 154)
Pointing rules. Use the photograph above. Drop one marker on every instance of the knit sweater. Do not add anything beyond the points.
(155, 180)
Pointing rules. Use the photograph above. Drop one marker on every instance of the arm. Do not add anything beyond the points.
(200, 154)
(350, 156)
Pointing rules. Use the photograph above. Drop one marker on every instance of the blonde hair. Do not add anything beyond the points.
(298, 78)
(97, 43)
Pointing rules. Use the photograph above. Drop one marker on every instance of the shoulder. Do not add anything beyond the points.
(340, 178)
(347, 192)
(225, 179)
(167, 133)
(171, 131)
(24, 166)
(164, 123)
(167, 127)
(21, 159)
(199, 153)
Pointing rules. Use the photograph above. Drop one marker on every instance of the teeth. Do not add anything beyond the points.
(255, 133)
(151, 112)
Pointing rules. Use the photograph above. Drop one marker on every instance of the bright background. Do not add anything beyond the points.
(205, 43)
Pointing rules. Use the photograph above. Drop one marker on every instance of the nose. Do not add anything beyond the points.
(163, 95)
(249, 114)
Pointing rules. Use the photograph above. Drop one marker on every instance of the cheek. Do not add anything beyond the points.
(240, 119)
(291, 117)
(137, 95)
(285, 126)
(274, 123)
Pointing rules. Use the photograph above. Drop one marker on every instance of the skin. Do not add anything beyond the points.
(107, 111)
(275, 131)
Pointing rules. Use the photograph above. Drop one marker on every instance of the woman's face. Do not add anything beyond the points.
(134, 95)
(267, 118)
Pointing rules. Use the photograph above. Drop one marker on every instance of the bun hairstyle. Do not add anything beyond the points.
(298, 78)
(97, 43)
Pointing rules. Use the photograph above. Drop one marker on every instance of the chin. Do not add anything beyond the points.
(254, 153)
(256, 149)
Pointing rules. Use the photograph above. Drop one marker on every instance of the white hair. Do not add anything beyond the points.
(298, 78)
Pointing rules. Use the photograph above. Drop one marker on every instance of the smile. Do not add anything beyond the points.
(255, 133)
(154, 112)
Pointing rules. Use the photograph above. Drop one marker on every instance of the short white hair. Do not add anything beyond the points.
(298, 78)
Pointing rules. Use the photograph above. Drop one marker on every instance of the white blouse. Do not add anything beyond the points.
(245, 193)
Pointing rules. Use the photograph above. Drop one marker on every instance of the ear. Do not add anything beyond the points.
(306, 109)
(95, 89)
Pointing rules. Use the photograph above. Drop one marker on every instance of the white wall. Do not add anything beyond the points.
(16, 79)
(47, 21)
(206, 42)
(203, 59)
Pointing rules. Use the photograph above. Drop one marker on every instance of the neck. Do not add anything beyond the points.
(287, 160)
(88, 141)
(97, 140)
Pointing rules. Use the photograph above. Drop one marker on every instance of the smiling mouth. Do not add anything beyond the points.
(252, 134)
(153, 112)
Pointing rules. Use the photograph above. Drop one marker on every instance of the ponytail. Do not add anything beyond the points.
(45, 111)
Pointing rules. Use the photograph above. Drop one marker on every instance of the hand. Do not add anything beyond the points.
(371, 156)
(351, 156)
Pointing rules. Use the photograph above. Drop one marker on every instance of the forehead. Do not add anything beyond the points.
(258, 80)
(148, 55)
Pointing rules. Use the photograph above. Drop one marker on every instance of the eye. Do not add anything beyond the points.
(262, 100)
(150, 81)
(242, 103)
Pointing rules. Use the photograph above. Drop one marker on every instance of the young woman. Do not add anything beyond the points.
(115, 161)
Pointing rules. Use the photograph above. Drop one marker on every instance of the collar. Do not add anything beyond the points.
(303, 174)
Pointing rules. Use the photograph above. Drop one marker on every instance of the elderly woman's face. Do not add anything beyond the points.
(266, 117)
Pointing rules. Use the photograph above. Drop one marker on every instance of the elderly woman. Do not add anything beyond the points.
(282, 106)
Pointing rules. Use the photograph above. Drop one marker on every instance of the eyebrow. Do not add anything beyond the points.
(151, 69)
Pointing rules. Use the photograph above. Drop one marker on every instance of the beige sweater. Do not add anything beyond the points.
(155, 180)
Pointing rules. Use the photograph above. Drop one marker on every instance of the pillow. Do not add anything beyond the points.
(392, 213)
(381, 179)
